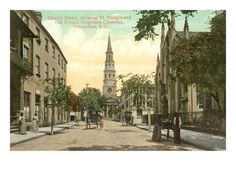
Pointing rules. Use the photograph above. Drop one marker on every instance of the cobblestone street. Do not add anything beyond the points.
(113, 136)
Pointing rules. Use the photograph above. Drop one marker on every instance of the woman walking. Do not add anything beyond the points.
(35, 123)
(22, 123)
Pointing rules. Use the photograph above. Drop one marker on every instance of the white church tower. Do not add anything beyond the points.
(109, 82)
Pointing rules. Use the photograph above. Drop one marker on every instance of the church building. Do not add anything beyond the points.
(109, 84)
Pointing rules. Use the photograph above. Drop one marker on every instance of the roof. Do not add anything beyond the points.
(190, 33)
(33, 15)
(17, 23)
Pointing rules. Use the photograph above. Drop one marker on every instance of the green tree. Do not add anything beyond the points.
(201, 59)
(91, 98)
(73, 102)
(57, 95)
(150, 19)
(139, 85)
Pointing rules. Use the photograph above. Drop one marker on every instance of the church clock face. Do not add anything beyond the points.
(109, 90)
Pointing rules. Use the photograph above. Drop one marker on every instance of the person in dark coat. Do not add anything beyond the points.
(156, 136)
(176, 127)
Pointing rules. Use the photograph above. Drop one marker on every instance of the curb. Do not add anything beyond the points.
(44, 133)
(185, 141)
(28, 139)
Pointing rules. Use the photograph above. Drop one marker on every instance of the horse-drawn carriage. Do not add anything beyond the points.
(94, 117)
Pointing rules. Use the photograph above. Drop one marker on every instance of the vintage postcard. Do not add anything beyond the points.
(117, 80)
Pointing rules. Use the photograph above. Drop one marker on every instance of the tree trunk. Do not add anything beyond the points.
(216, 98)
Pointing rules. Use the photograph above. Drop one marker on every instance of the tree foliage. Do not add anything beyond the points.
(91, 98)
(201, 59)
(57, 96)
(73, 102)
(139, 85)
(57, 92)
(150, 19)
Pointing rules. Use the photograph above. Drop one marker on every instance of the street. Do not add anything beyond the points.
(112, 137)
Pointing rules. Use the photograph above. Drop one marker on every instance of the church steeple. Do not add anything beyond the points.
(162, 32)
(109, 53)
(186, 28)
(109, 44)
(109, 82)
(173, 19)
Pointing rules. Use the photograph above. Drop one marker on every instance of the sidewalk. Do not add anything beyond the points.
(203, 140)
(16, 138)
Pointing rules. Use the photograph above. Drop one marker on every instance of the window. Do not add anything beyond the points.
(200, 103)
(109, 90)
(139, 112)
(62, 63)
(46, 44)
(37, 105)
(37, 72)
(65, 68)
(46, 71)
(27, 105)
(59, 75)
(53, 72)
(25, 19)
(38, 34)
(109, 75)
(59, 59)
(25, 52)
(45, 110)
(53, 52)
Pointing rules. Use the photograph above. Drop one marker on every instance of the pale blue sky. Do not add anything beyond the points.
(84, 48)
(200, 21)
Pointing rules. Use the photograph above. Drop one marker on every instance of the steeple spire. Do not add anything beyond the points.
(162, 32)
(172, 19)
(186, 27)
(109, 44)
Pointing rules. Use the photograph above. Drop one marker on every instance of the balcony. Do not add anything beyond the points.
(22, 63)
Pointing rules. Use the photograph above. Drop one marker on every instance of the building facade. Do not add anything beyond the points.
(46, 61)
(139, 108)
(171, 94)
(109, 84)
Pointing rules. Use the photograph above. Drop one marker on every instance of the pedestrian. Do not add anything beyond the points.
(176, 127)
(22, 123)
(156, 136)
(35, 123)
